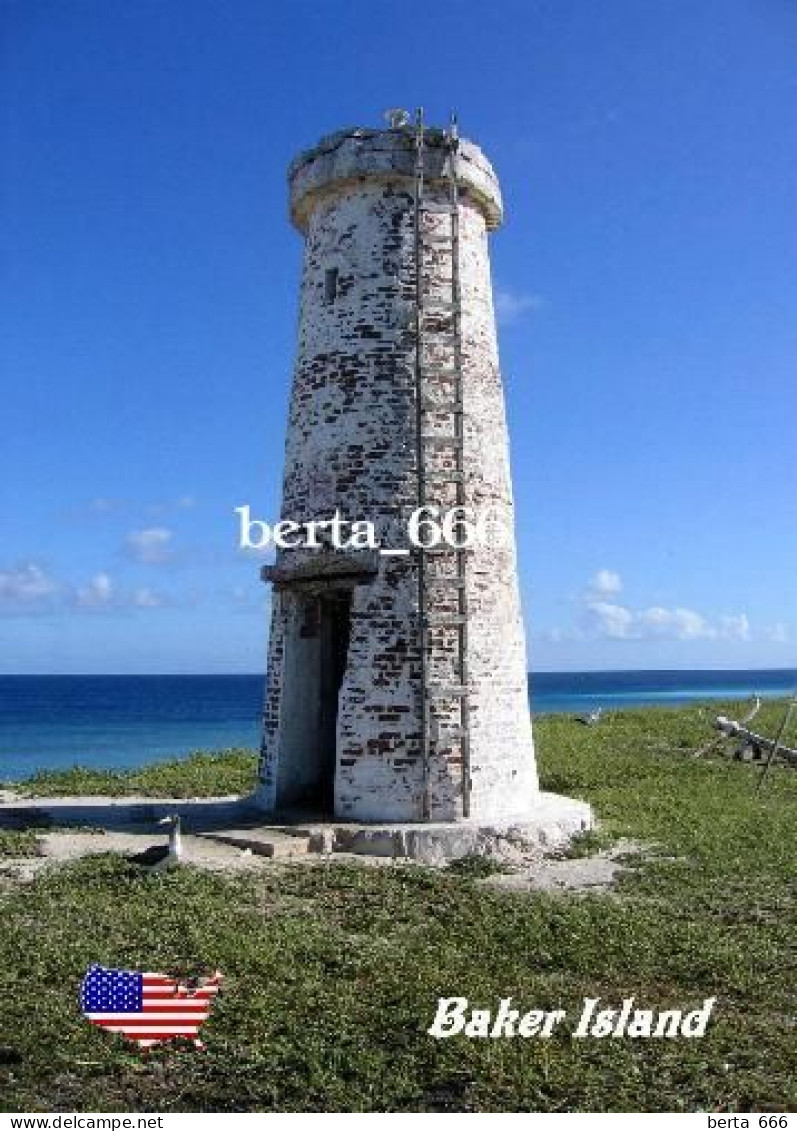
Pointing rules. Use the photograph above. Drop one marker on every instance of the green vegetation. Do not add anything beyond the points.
(18, 842)
(203, 774)
(587, 844)
(475, 867)
(333, 971)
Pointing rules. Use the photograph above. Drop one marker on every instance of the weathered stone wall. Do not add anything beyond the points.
(351, 445)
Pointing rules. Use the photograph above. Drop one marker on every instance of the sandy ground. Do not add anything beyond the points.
(583, 874)
(63, 847)
(532, 874)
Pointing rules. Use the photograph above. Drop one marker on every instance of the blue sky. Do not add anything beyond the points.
(645, 277)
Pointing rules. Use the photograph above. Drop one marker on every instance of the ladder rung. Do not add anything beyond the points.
(440, 441)
(440, 209)
(442, 310)
(437, 241)
(444, 477)
(449, 733)
(456, 690)
(444, 619)
(438, 551)
(446, 374)
(439, 304)
(448, 582)
(441, 406)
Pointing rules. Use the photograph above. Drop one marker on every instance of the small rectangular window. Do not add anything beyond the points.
(331, 284)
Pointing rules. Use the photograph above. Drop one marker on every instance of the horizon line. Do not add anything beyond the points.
(262, 675)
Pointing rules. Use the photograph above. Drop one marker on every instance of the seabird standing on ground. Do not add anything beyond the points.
(592, 718)
(160, 856)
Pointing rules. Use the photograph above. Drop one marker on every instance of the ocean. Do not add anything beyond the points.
(54, 722)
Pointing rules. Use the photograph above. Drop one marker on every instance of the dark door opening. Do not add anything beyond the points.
(334, 632)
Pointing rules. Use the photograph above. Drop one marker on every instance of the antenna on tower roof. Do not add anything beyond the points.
(396, 118)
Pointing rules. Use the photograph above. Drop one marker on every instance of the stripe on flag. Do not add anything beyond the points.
(146, 1007)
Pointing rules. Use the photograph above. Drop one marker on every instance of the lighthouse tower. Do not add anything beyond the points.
(397, 676)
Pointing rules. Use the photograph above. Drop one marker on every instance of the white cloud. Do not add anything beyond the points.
(602, 616)
(605, 583)
(151, 546)
(101, 593)
(735, 627)
(98, 594)
(777, 633)
(511, 305)
(106, 507)
(29, 589)
(677, 624)
(26, 586)
(618, 622)
(164, 507)
(606, 619)
(146, 598)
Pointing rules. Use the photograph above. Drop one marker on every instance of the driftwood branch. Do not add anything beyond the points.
(715, 743)
(758, 742)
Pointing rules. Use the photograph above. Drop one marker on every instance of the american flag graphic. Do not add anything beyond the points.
(147, 1008)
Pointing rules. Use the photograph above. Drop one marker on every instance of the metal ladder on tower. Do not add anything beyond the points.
(451, 585)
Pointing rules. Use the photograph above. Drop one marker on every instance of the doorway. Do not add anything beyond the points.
(334, 633)
(316, 648)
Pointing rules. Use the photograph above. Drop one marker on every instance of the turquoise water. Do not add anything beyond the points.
(53, 722)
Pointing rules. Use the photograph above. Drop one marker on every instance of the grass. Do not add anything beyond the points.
(18, 842)
(333, 972)
(475, 867)
(586, 844)
(202, 774)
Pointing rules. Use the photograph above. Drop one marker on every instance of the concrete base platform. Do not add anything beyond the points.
(237, 822)
(551, 824)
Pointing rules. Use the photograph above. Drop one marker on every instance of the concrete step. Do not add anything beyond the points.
(262, 842)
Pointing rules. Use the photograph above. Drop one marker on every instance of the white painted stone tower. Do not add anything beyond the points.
(346, 696)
